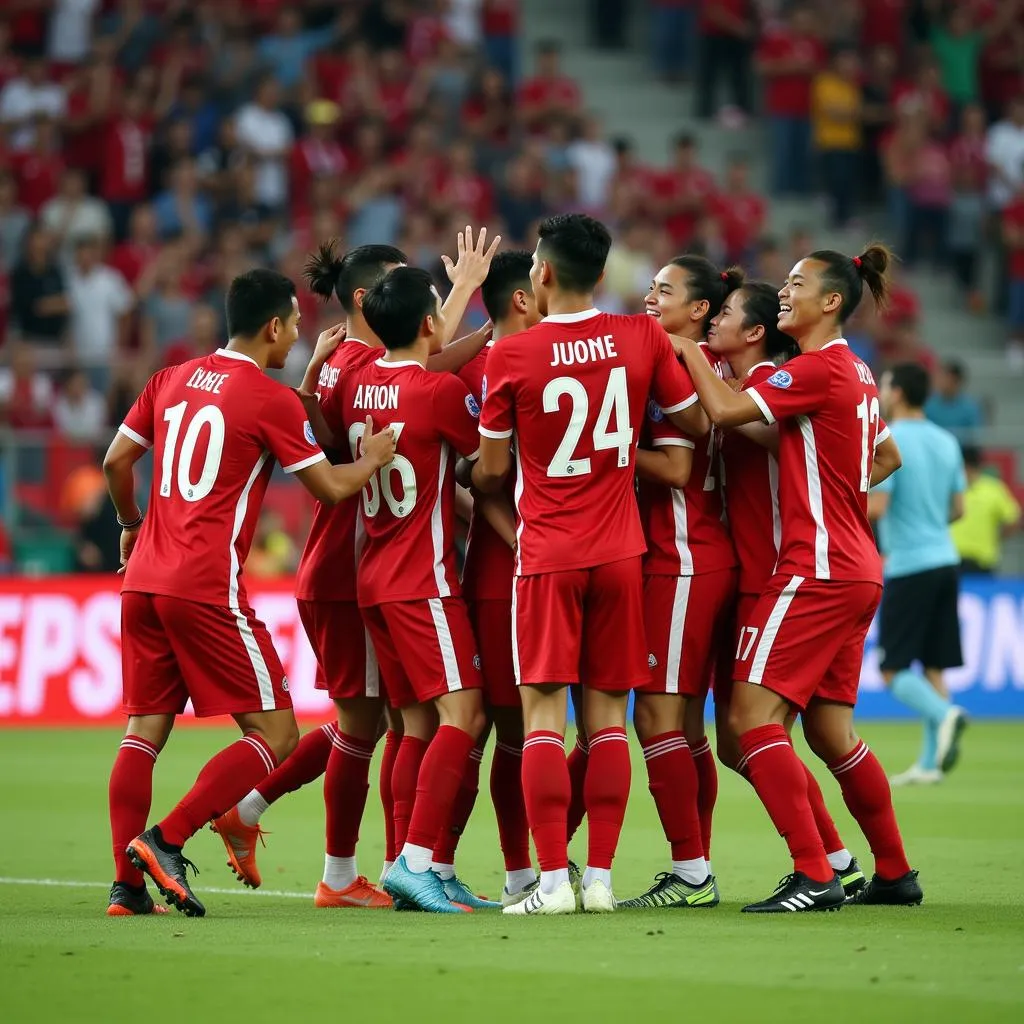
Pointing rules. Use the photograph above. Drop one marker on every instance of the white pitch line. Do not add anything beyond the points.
(70, 884)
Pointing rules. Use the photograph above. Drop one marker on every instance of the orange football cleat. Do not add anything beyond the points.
(361, 894)
(240, 842)
(126, 901)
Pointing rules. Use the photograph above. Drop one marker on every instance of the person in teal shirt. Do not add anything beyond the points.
(918, 619)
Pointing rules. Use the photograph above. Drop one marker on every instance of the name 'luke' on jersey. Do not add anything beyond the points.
(408, 507)
(573, 390)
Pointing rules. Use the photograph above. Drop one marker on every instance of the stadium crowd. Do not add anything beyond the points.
(153, 149)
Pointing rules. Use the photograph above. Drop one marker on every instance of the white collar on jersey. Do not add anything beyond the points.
(571, 318)
(763, 362)
(229, 354)
(359, 341)
(835, 341)
(388, 365)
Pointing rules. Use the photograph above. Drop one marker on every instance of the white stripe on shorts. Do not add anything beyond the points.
(680, 602)
(771, 630)
(372, 677)
(452, 676)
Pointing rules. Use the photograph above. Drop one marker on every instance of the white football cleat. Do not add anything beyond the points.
(561, 901)
(950, 731)
(598, 898)
(915, 775)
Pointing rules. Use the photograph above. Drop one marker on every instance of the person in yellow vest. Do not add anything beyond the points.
(836, 121)
(990, 510)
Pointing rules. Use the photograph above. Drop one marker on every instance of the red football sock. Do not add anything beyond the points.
(509, 805)
(546, 792)
(305, 764)
(444, 765)
(403, 784)
(462, 808)
(672, 780)
(129, 795)
(822, 819)
(392, 741)
(867, 795)
(577, 762)
(225, 779)
(779, 778)
(707, 790)
(346, 786)
(606, 792)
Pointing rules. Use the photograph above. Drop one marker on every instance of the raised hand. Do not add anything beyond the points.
(474, 259)
(329, 340)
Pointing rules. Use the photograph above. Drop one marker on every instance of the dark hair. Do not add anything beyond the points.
(329, 274)
(761, 306)
(848, 275)
(912, 379)
(254, 299)
(973, 456)
(956, 369)
(397, 304)
(706, 281)
(577, 247)
(548, 46)
(509, 272)
(684, 139)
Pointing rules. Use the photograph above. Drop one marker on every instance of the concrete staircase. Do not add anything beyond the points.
(621, 87)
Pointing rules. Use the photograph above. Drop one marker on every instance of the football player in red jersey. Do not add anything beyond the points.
(216, 426)
(573, 390)
(326, 592)
(487, 582)
(689, 588)
(802, 644)
(407, 584)
(745, 335)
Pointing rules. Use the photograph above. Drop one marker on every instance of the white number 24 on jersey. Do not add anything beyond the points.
(614, 404)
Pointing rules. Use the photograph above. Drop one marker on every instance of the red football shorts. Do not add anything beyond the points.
(805, 638)
(725, 663)
(492, 625)
(346, 664)
(425, 648)
(687, 619)
(581, 625)
(173, 650)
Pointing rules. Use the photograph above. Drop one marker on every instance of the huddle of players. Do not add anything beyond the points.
(564, 594)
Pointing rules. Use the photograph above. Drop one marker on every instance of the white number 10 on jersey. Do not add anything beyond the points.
(615, 403)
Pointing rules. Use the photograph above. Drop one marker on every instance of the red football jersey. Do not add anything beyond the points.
(490, 564)
(750, 475)
(826, 405)
(216, 425)
(685, 532)
(408, 507)
(327, 569)
(573, 389)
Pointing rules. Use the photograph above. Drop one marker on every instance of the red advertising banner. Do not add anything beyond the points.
(60, 650)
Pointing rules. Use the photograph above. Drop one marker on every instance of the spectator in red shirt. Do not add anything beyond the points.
(930, 189)
(728, 33)
(740, 212)
(140, 249)
(1013, 239)
(885, 24)
(488, 115)
(39, 168)
(1002, 68)
(673, 30)
(124, 174)
(463, 187)
(26, 395)
(549, 93)
(317, 154)
(500, 25)
(686, 189)
(925, 95)
(788, 59)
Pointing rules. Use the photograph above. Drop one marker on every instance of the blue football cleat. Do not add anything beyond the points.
(458, 892)
(421, 888)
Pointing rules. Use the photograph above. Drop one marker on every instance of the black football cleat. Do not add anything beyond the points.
(797, 893)
(852, 878)
(904, 891)
(131, 901)
(166, 865)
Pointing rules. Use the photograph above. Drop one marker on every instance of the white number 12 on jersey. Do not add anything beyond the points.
(867, 413)
(615, 403)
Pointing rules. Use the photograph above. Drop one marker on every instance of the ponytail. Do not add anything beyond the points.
(322, 270)
(328, 273)
(708, 283)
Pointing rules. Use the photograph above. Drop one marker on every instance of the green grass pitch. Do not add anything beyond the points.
(255, 957)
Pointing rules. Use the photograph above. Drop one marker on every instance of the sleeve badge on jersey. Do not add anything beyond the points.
(483, 389)
(654, 411)
(781, 379)
(473, 407)
(307, 433)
